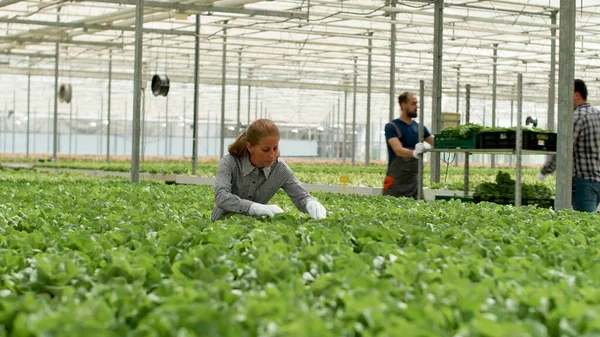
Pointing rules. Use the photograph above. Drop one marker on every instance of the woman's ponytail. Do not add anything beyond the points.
(238, 147)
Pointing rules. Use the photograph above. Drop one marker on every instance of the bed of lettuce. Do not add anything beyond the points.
(451, 177)
(84, 256)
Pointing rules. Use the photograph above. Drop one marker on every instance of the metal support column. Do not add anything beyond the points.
(337, 139)
(223, 83)
(467, 154)
(28, 113)
(552, 76)
(239, 91)
(196, 103)
(184, 128)
(55, 122)
(494, 87)
(566, 76)
(14, 119)
(344, 154)
(368, 123)
(137, 92)
(354, 113)
(70, 128)
(249, 94)
(457, 155)
(109, 105)
(436, 107)
(166, 126)
(421, 136)
(519, 140)
(392, 104)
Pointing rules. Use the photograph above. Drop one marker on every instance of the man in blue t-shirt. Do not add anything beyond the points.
(402, 136)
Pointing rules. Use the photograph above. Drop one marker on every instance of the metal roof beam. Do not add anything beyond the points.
(192, 8)
(84, 25)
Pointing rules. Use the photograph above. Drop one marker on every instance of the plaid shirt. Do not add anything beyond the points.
(239, 184)
(586, 145)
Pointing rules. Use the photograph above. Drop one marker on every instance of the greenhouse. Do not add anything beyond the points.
(116, 122)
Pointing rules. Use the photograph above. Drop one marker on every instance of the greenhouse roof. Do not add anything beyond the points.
(310, 44)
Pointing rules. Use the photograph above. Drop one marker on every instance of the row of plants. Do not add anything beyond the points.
(452, 177)
(104, 257)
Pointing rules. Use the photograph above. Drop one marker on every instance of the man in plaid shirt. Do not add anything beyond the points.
(586, 153)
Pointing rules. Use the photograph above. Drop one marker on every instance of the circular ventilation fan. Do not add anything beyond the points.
(65, 93)
(160, 85)
(531, 121)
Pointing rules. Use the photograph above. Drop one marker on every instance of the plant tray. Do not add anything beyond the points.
(452, 141)
(450, 197)
(537, 141)
(541, 203)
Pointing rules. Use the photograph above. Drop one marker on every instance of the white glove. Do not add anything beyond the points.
(316, 210)
(540, 177)
(419, 147)
(260, 209)
(426, 146)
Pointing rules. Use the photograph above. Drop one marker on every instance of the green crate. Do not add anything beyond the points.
(452, 141)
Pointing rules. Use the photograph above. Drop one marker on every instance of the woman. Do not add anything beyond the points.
(249, 176)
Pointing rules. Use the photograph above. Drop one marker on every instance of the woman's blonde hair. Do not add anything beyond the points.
(258, 130)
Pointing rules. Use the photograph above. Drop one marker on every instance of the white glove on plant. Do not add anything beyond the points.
(540, 177)
(260, 209)
(316, 210)
(419, 147)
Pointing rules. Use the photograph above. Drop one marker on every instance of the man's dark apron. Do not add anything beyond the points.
(401, 176)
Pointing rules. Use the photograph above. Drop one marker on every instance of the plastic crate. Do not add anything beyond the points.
(452, 141)
(537, 141)
(541, 203)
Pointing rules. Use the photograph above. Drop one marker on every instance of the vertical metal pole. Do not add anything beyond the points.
(552, 77)
(158, 127)
(184, 127)
(124, 132)
(354, 113)
(467, 154)
(519, 140)
(392, 102)
(101, 118)
(458, 89)
(344, 154)
(256, 105)
(368, 124)
(144, 125)
(566, 76)
(14, 117)
(262, 110)
(239, 91)
(249, 94)
(70, 127)
(421, 136)
(223, 83)
(196, 103)
(512, 113)
(28, 113)
(137, 93)
(55, 124)
(436, 108)
(457, 155)
(166, 125)
(76, 135)
(494, 87)
(337, 140)
(109, 106)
